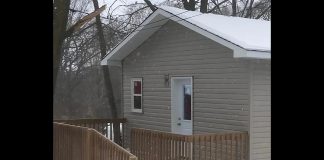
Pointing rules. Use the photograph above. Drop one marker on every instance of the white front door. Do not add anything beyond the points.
(181, 105)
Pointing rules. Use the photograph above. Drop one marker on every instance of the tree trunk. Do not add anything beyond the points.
(106, 74)
(152, 7)
(61, 11)
(203, 6)
(249, 11)
(234, 8)
(189, 5)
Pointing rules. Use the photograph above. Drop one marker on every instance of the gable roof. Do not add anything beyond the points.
(248, 38)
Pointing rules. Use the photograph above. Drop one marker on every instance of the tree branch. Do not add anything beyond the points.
(125, 6)
(113, 20)
(217, 6)
(245, 5)
(249, 11)
(83, 20)
(263, 12)
(110, 7)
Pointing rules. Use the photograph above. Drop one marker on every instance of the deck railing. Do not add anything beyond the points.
(149, 144)
(80, 143)
(113, 129)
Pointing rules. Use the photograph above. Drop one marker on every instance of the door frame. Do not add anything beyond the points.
(192, 92)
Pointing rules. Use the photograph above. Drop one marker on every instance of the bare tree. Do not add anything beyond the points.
(106, 75)
(254, 9)
(81, 55)
(68, 68)
(203, 6)
(60, 15)
(61, 10)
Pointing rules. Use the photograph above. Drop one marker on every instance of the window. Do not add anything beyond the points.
(187, 102)
(136, 93)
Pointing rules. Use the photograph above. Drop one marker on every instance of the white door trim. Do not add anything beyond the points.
(192, 89)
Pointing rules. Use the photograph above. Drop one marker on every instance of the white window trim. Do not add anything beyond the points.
(132, 95)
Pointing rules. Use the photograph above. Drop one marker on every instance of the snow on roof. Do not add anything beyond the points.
(248, 38)
(251, 34)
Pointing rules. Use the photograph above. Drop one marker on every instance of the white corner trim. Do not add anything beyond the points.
(251, 109)
(258, 54)
(103, 62)
(111, 63)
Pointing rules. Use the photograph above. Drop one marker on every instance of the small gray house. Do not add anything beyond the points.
(191, 73)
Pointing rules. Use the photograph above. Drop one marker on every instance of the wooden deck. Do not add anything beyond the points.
(108, 127)
(149, 144)
(72, 142)
(92, 139)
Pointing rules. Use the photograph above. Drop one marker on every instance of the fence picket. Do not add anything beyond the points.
(75, 143)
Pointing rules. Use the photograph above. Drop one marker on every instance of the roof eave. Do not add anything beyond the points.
(239, 52)
(253, 54)
(134, 39)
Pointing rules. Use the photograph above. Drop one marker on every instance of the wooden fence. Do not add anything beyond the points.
(104, 126)
(80, 143)
(149, 144)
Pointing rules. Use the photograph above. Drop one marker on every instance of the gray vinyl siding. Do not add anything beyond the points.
(261, 111)
(220, 82)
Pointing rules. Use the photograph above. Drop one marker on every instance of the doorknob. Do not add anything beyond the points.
(179, 124)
